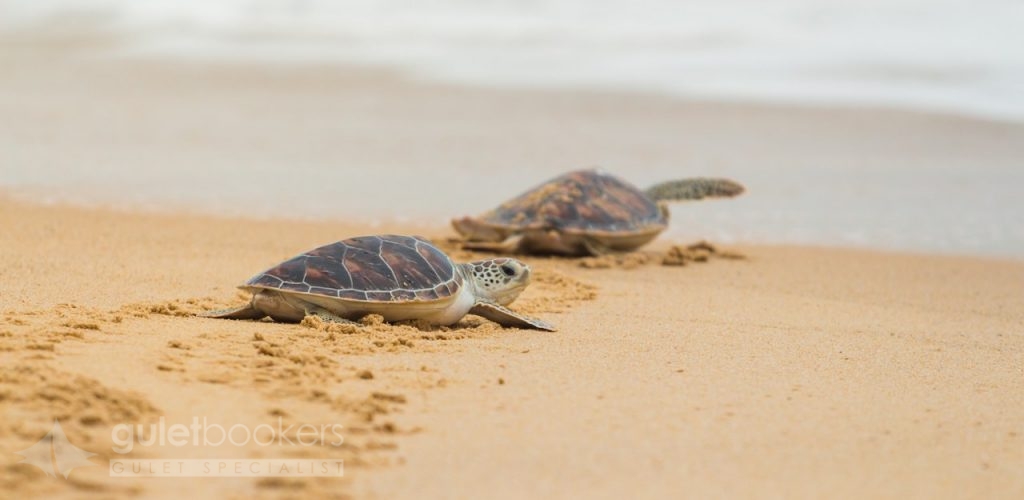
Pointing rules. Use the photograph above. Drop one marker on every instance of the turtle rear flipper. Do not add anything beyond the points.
(507, 317)
(694, 189)
(242, 312)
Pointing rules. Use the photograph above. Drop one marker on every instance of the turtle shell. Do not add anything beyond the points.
(385, 268)
(584, 201)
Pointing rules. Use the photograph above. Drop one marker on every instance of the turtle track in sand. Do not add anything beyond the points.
(298, 368)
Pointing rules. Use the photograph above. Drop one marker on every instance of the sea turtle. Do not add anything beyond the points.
(586, 212)
(397, 277)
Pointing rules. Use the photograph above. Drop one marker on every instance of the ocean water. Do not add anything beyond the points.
(964, 56)
(950, 56)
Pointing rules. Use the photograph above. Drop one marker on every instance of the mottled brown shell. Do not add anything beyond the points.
(386, 268)
(584, 201)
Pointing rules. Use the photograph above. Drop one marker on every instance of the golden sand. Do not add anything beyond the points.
(793, 372)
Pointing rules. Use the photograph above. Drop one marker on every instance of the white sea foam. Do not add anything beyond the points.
(964, 56)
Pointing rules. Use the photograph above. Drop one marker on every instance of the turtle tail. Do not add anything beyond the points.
(694, 189)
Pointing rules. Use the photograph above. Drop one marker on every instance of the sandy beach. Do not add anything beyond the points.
(794, 372)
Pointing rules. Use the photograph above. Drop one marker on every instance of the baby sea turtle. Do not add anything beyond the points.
(586, 212)
(398, 277)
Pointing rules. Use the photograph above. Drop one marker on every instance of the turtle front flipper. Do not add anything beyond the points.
(507, 317)
(329, 317)
(247, 311)
(694, 189)
(473, 229)
(595, 247)
(510, 245)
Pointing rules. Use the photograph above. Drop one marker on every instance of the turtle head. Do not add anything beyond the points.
(498, 280)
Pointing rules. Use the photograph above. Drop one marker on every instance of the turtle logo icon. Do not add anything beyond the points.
(55, 454)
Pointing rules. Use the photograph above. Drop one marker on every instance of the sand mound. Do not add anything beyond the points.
(680, 255)
(676, 255)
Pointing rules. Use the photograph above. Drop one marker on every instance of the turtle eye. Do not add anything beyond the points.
(508, 270)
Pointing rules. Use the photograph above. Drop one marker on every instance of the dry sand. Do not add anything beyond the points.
(796, 372)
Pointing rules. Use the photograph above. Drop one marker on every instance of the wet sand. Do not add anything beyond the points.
(84, 122)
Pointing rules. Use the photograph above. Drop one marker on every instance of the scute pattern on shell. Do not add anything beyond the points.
(584, 200)
(386, 268)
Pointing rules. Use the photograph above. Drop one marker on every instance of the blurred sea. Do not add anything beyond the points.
(962, 57)
(965, 56)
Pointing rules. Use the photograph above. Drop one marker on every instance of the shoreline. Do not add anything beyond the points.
(437, 228)
(329, 142)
